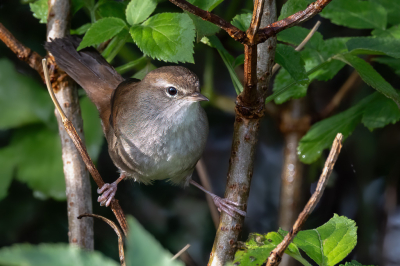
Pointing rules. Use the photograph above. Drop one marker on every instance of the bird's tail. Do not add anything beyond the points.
(89, 69)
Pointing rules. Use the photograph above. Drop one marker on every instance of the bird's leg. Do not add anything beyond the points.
(222, 204)
(109, 191)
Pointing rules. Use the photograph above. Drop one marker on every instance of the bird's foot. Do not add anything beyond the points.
(228, 206)
(108, 191)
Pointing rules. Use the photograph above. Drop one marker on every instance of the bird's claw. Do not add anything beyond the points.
(228, 206)
(108, 191)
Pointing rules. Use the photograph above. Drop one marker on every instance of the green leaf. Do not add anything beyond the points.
(352, 263)
(393, 8)
(166, 36)
(112, 9)
(238, 61)
(379, 46)
(76, 5)
(139, 10)
(82, 29)
(291, 60)
(393, 63)
(22, 99)
(374, 111)
(143, 249)
(330, 243)
(370, 76)
(91, 127)
(293, 6)
(296, 35)
(203, 28)
(52, 254)
(7, 166)
(101, 31)
(207, 5)
(393, 32)
(228, 59)
(40, 10)
(283, 80)
(356, 14)
(258, 247)
(242, 21)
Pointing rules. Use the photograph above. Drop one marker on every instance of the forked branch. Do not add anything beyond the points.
(276, 254)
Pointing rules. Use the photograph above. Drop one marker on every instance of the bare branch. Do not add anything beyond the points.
(205, 182)
(83, 152)
(293, 20)
(350, 83)
(255, 20)
(276, 255)
(23, 53)
(301, 45)
(234, 32)
(116, 230)
(180, 252)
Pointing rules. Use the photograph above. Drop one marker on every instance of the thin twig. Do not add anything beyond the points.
(23, 53)
(180, 252)
(293, 20)
(301, 45)
(205, 182)
(116, 230)
(234, 32)
(350, 83)
(116, 208)
(255, 20)
(276, 254)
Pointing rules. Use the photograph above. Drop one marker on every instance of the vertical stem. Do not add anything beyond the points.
(248, 113)
(76, 175)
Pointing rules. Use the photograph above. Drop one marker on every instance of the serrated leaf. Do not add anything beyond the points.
(330, 243)
(21, 98)
(101, 31)
(143, 249)
(291, 60)
(292, 6)
(82, 29)
(166, 36)
(393, 8)
(393, 63)
(379, 46)
(242, 21)
(139, 10)
(112, 9)
(40, 10)
(7, 166)
(374, 111)
(228, 59)
(283, 80)
(370, 76)
(356, 14)
(52, 254)
(203, 28)
(393, 32)
(207, 5)
(258, 247)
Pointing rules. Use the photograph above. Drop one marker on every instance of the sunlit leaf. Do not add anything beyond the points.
(379, 46)
(40, 10)
(242, 21)
(207, 5)
(139, 10)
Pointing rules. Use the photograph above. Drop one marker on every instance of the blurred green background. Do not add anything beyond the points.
(364, 185)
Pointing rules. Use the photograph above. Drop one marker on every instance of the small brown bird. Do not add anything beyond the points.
(155, 128)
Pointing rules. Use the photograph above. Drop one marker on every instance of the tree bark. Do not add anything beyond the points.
(76, 175)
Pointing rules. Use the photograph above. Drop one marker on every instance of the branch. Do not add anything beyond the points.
(301, 45)
(293, 20)
(234, 32)
(276, 254)
(23, 53)
(77, 179)
(352, 81)
(69, 127)
(116, 230)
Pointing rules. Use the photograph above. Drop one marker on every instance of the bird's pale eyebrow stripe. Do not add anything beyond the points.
(163, 83)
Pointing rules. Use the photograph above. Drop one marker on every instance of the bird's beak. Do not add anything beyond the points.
(197, 97)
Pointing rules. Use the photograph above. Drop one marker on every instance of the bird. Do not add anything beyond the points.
(155, 128)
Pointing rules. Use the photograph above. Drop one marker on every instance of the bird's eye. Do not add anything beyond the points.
(172, 91)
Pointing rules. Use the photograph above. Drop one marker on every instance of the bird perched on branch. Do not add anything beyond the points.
(155, 128)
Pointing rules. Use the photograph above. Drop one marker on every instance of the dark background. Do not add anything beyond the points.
(363, 187)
